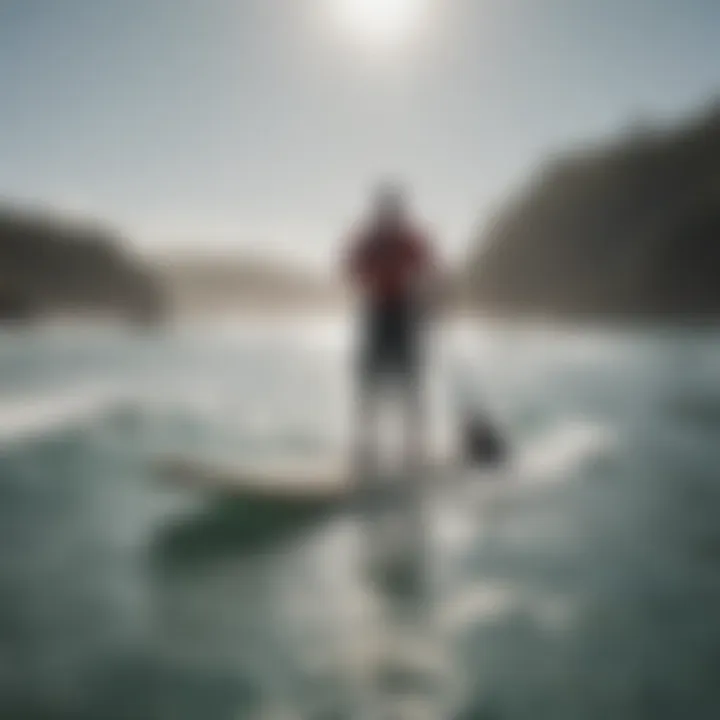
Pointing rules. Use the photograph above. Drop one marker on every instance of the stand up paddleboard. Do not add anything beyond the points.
(298, 482)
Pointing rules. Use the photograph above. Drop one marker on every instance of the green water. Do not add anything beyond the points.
(583, 584)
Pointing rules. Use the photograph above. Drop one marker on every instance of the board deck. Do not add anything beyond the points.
(298, 481)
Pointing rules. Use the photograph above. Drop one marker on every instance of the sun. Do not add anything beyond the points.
(376, 23)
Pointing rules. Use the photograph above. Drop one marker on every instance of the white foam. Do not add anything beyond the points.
(563, 450)
(553, 459)
(484, 602)
(28, 418)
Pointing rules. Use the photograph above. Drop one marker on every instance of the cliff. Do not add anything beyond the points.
(51, 266)
(626, 230)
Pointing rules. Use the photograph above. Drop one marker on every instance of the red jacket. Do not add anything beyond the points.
(385, 264)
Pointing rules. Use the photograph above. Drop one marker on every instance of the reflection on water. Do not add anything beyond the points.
(582, 583)
(338, 615)
(405, 675)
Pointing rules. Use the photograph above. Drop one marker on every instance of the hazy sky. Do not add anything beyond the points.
(261, 124)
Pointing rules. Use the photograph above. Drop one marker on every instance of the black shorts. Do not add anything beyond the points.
(390, 343)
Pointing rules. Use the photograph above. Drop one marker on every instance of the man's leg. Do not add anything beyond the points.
(367, 396)
(366, 425)
(414, 423)
(413, 401)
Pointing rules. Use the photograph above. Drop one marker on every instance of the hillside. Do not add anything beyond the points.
(52, 266)
(627, 230)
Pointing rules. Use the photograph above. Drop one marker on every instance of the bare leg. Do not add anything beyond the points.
(414, 425)
(366, 421)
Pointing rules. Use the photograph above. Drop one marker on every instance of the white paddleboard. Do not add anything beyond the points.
(300, 480)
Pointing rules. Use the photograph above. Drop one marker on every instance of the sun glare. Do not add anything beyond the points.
(379, 22)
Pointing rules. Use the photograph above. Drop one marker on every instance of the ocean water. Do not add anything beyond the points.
(580, 582)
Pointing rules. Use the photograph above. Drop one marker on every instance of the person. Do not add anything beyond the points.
(392, 266)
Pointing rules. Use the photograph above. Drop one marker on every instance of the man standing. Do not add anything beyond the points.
(391, 265)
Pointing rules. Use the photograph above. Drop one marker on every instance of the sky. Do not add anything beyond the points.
(260, 126)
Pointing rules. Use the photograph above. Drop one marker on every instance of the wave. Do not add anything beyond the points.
(553, 458)
(34, 418)
(563, 450)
